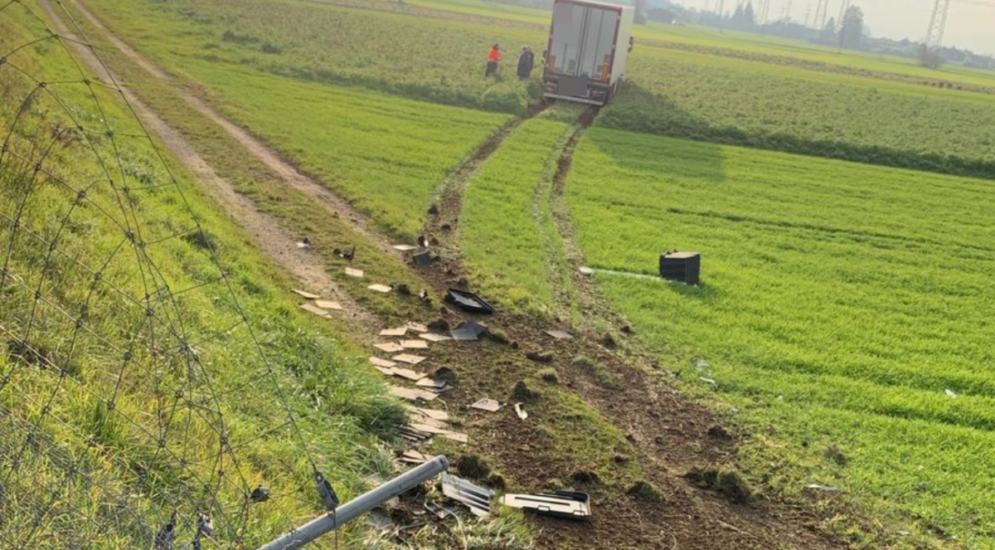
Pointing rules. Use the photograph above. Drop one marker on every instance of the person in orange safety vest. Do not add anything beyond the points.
(493, 57)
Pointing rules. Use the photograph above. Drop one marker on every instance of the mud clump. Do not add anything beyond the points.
(549, 375)
(540, 356)
(718, 432)
(498, 336)
(647, 492)
(473, 467)
(586, 477)
(438, 325)
(524, 391)
(728, 483)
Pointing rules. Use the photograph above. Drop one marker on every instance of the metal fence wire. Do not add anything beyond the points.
(116, 430)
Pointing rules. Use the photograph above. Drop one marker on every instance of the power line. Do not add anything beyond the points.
(821, 13)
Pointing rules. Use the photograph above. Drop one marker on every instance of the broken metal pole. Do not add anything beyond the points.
(358, 506)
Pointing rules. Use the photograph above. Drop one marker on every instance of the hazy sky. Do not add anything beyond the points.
(970, 23)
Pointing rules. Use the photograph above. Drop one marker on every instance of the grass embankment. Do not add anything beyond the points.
(116, 403)
(840, 303)
(507, 232)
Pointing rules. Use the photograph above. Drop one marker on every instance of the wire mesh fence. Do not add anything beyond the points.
(140, 407)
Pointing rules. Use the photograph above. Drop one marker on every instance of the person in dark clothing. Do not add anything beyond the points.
(525, 62)
(493, 57)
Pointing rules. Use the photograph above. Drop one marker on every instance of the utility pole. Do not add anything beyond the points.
(821, 12)
(937, 25)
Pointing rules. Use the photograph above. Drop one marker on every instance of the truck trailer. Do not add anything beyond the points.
(589, 45)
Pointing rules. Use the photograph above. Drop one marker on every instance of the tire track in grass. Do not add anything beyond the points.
(264, 230)
(253, 144)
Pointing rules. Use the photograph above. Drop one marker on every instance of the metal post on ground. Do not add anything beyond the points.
(358, 506)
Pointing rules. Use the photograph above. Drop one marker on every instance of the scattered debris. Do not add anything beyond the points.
(429, 413)
(708, 381)
(346, 255)
(560, 335)
(559, 504)
(414, 457)
(352, 272)
(488, 404)
(433, 384)
(400, 331)
(310, 308)
(422, 259)
(409, 359)
(378, 362)
(469, 302)
(432, 337)
(326, 304)
(412, 394)
(951, 394)
(586, 271)
(389, 347)
(404, 247)
(468, 331)
(408, 374)
(701, 364)
(416, 327)
(476, 498)
(440, 511)
(413, 435)
(380, 288)
(821, 488)
(414, 344)
(385, 371)
(521, 411)
(304, 244)
(305, 294)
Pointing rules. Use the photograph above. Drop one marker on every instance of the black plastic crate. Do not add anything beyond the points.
(681, 266)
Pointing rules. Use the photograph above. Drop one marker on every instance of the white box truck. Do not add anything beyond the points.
(589, 45)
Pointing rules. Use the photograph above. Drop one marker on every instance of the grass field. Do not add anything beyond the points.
(507, 231)
(385, 154)
(98, 394)
(739, 101)
(840, 303)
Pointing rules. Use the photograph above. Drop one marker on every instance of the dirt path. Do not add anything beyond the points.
(255, 146)
(267, 233)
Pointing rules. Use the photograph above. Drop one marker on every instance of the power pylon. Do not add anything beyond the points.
(720, 7)
(821, 12)
(844, 6)
(764, 12)
(937, 24)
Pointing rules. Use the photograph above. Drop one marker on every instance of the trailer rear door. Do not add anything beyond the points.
(583, 40)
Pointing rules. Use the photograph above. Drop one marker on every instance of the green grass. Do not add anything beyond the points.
(416, 57)
(739, 101)
(64, 382)
(506, 231)
(386, 155)
(839, 303)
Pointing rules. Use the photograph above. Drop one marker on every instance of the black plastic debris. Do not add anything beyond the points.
(684, 267)
(260, 494)
(167, 535)
(329, 498)
(469, 302)
(560, 504)
(478, 499)
(422, 259)
(468, 331)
